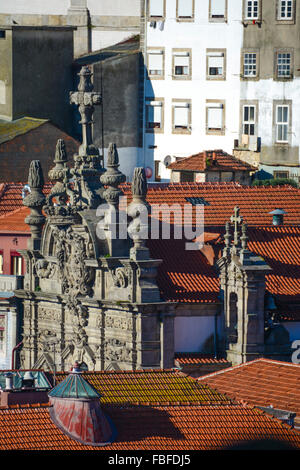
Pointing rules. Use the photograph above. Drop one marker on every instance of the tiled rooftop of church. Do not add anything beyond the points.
(145, 425)
(262, 382)
(190, 278)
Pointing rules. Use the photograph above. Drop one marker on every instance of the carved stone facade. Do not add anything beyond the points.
(242, 276)
(89, 296)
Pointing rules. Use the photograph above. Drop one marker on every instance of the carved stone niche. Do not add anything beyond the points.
(116, 350)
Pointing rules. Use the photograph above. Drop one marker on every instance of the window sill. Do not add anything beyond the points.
(156, 77)
(181, 77)
(216, 77)
(284, 22)
(181, 131)
(215, 132)
(187, 19)
(283, 79)
(155, 130)
(218, 20)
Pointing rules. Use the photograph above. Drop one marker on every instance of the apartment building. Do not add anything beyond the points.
(222, 74)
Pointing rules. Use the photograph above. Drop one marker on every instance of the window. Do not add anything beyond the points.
(185, 10)
(156, 63)
(217, 10)
(251, 10)
(2, 332)
(285, 10)
(2, 339)
(283, 61)
(2, 33)
(281, 174)
(16, 264)
(250, 66)
(249, 117)
(181, 64)
(181, 117)
(157, 173)
(1, 262)
(215, 64)
(215, 117)
(154, 116)
(157, 8)
(282, 123)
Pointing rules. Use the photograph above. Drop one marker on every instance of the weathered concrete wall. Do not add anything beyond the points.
(42, 74)
(267, 88)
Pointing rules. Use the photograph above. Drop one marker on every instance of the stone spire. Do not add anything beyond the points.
(85, 98)
(87, 163)
(112, 178)
(237, 220)
(139, 211)
(35, 201)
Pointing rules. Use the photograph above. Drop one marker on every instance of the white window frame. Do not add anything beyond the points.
(154, 103)
(186, 105)
(276, 173)
(216, 53)
(254, 7)
(215, 104)
(1, 262)
(185, 18)
(283, 7)
(156, 52)
(250, 65)
(217, 18)
(2, 340)
(251, 122)
(279, 124)
(178, 54)
(279, 56)
(163, 10)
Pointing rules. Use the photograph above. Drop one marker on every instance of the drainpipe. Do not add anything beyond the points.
(13, 355)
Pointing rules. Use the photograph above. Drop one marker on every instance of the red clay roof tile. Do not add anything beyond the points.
(212, 160)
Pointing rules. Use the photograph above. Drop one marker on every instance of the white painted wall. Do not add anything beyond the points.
(191, 333)
(198, 35)
(101, 39)
(114, 7)
(265, 91)
(35, 7)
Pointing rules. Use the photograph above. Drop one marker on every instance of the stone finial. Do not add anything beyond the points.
(237, 220)
(35, 201)
(139, 185)
(244, 237)
(139, 211)
(36, 177)
(86, 99)
(112, 177)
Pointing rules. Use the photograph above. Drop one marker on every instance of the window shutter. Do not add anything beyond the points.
(185, 8)
(156, 7)
(157, 114)
(155, 61)
(181, 115)
(218, 8)
(215, 117)
(216, 62)
(181, 61)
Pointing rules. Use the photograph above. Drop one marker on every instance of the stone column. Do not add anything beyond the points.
(78, 15)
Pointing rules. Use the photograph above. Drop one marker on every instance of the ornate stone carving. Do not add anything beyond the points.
(117, 350)
(112, 177)
(119, 323)
(35, 201)
(49, 314)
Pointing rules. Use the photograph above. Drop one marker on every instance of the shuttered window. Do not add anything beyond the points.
(217, 8)
(156, 8)
(155, 63)
(214, 116)
(185, 8)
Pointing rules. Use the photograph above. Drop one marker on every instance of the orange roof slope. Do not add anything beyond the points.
(191, 427)
(262, 382)
(255, 202)
(211, 160)
(156, 387)
(15, 221)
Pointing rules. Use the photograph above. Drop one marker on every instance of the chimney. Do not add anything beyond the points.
(23, 390)
(277, 216)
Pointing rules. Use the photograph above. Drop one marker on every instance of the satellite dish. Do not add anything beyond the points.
(148, 172)
(167, 160)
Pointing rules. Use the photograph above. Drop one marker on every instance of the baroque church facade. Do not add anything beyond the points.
(91, 295)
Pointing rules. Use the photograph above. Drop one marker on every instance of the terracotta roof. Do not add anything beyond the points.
(15, 221)
(190, 427)
(212, 160)
(255, 202)
(164, 387)
(11, 129)
(186, 276)
(198, 358)
(262, 382)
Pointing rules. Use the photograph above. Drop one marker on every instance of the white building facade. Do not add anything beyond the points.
(214, 80)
